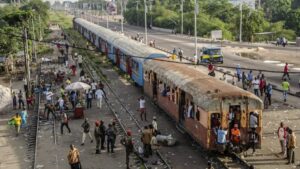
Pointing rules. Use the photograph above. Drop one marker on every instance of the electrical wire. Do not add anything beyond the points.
(139, 57)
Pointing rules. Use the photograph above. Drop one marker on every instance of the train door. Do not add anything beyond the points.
(215, 122)
(154, 86)
(234, 116)
(118, 57)
(181, 106)
(128, 66)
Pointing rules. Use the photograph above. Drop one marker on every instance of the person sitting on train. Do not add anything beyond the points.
(221, 139)
(235, 135)
(165, 91)
(190, 112)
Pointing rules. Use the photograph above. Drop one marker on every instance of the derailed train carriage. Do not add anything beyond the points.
(176, 87)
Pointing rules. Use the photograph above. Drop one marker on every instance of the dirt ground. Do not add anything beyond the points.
(267, 54)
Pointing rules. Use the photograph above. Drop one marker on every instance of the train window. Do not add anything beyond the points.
(215, 120)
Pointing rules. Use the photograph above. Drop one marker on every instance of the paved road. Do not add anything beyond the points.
(170, 41)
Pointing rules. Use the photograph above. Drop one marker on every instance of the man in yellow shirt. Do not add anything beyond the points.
(285, 88)
(73, 158)
(18, 121)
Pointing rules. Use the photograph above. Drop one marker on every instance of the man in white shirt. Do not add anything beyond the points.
(154, 123)
(99, 95)
(94, 88)
(142, 103)
(61, 103)
(255, 85)
(49, 95)
(253, 120)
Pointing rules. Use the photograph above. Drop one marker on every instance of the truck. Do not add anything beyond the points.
(212, 54)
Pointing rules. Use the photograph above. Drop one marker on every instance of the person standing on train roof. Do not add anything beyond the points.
(285, 89)
(142, 107)
(235, 135)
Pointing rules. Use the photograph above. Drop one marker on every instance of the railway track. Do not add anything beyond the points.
(126, 120)
(33, 126)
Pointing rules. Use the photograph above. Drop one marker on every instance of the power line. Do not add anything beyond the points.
(139, 57)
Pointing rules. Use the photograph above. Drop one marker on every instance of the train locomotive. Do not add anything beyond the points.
(194, 100)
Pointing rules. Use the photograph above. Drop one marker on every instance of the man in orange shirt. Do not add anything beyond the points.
(235, 135)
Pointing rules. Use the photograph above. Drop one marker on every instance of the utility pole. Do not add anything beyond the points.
(241, 21)
(40, 29)
(146, 30)
(150, 8)
(195, 26)
(181, 9)
(33, 42)
(137, 14)
(106, 19)
(122, 19)
(27, 67)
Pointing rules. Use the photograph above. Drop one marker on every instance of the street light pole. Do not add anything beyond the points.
(195, 26)
(181, 8)
(241, 21)
(137, 14)
(33, 42)
(146, 30)
(122, 17)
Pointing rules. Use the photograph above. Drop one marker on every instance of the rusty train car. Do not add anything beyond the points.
(192, 98)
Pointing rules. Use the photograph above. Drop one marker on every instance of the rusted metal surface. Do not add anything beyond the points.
(204, 88)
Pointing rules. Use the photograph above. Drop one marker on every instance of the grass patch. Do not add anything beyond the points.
(61, 18)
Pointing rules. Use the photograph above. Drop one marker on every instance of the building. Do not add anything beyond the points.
(250, 3)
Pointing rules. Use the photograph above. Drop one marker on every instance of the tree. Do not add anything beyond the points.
(277, 10)
(295, 4)
(293, 21)
(253, 22)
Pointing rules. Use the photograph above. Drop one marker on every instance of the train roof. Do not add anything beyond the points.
(125, 44)
(204, 89)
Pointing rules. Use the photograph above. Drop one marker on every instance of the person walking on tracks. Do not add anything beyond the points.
(89, 98)
(285, 89)
(20, 99)
(142, 103)
(146, 139)
(102, 130)
(269, 91)
(16, 121)
(74, 158)
(86, 131)
(291, 146)
(127, 142)
(111, 135)
(97, 135)
(99, 95)
(282, 133)
(64, 122)
(286, 71)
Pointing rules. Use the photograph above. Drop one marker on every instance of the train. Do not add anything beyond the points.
(193, 99)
